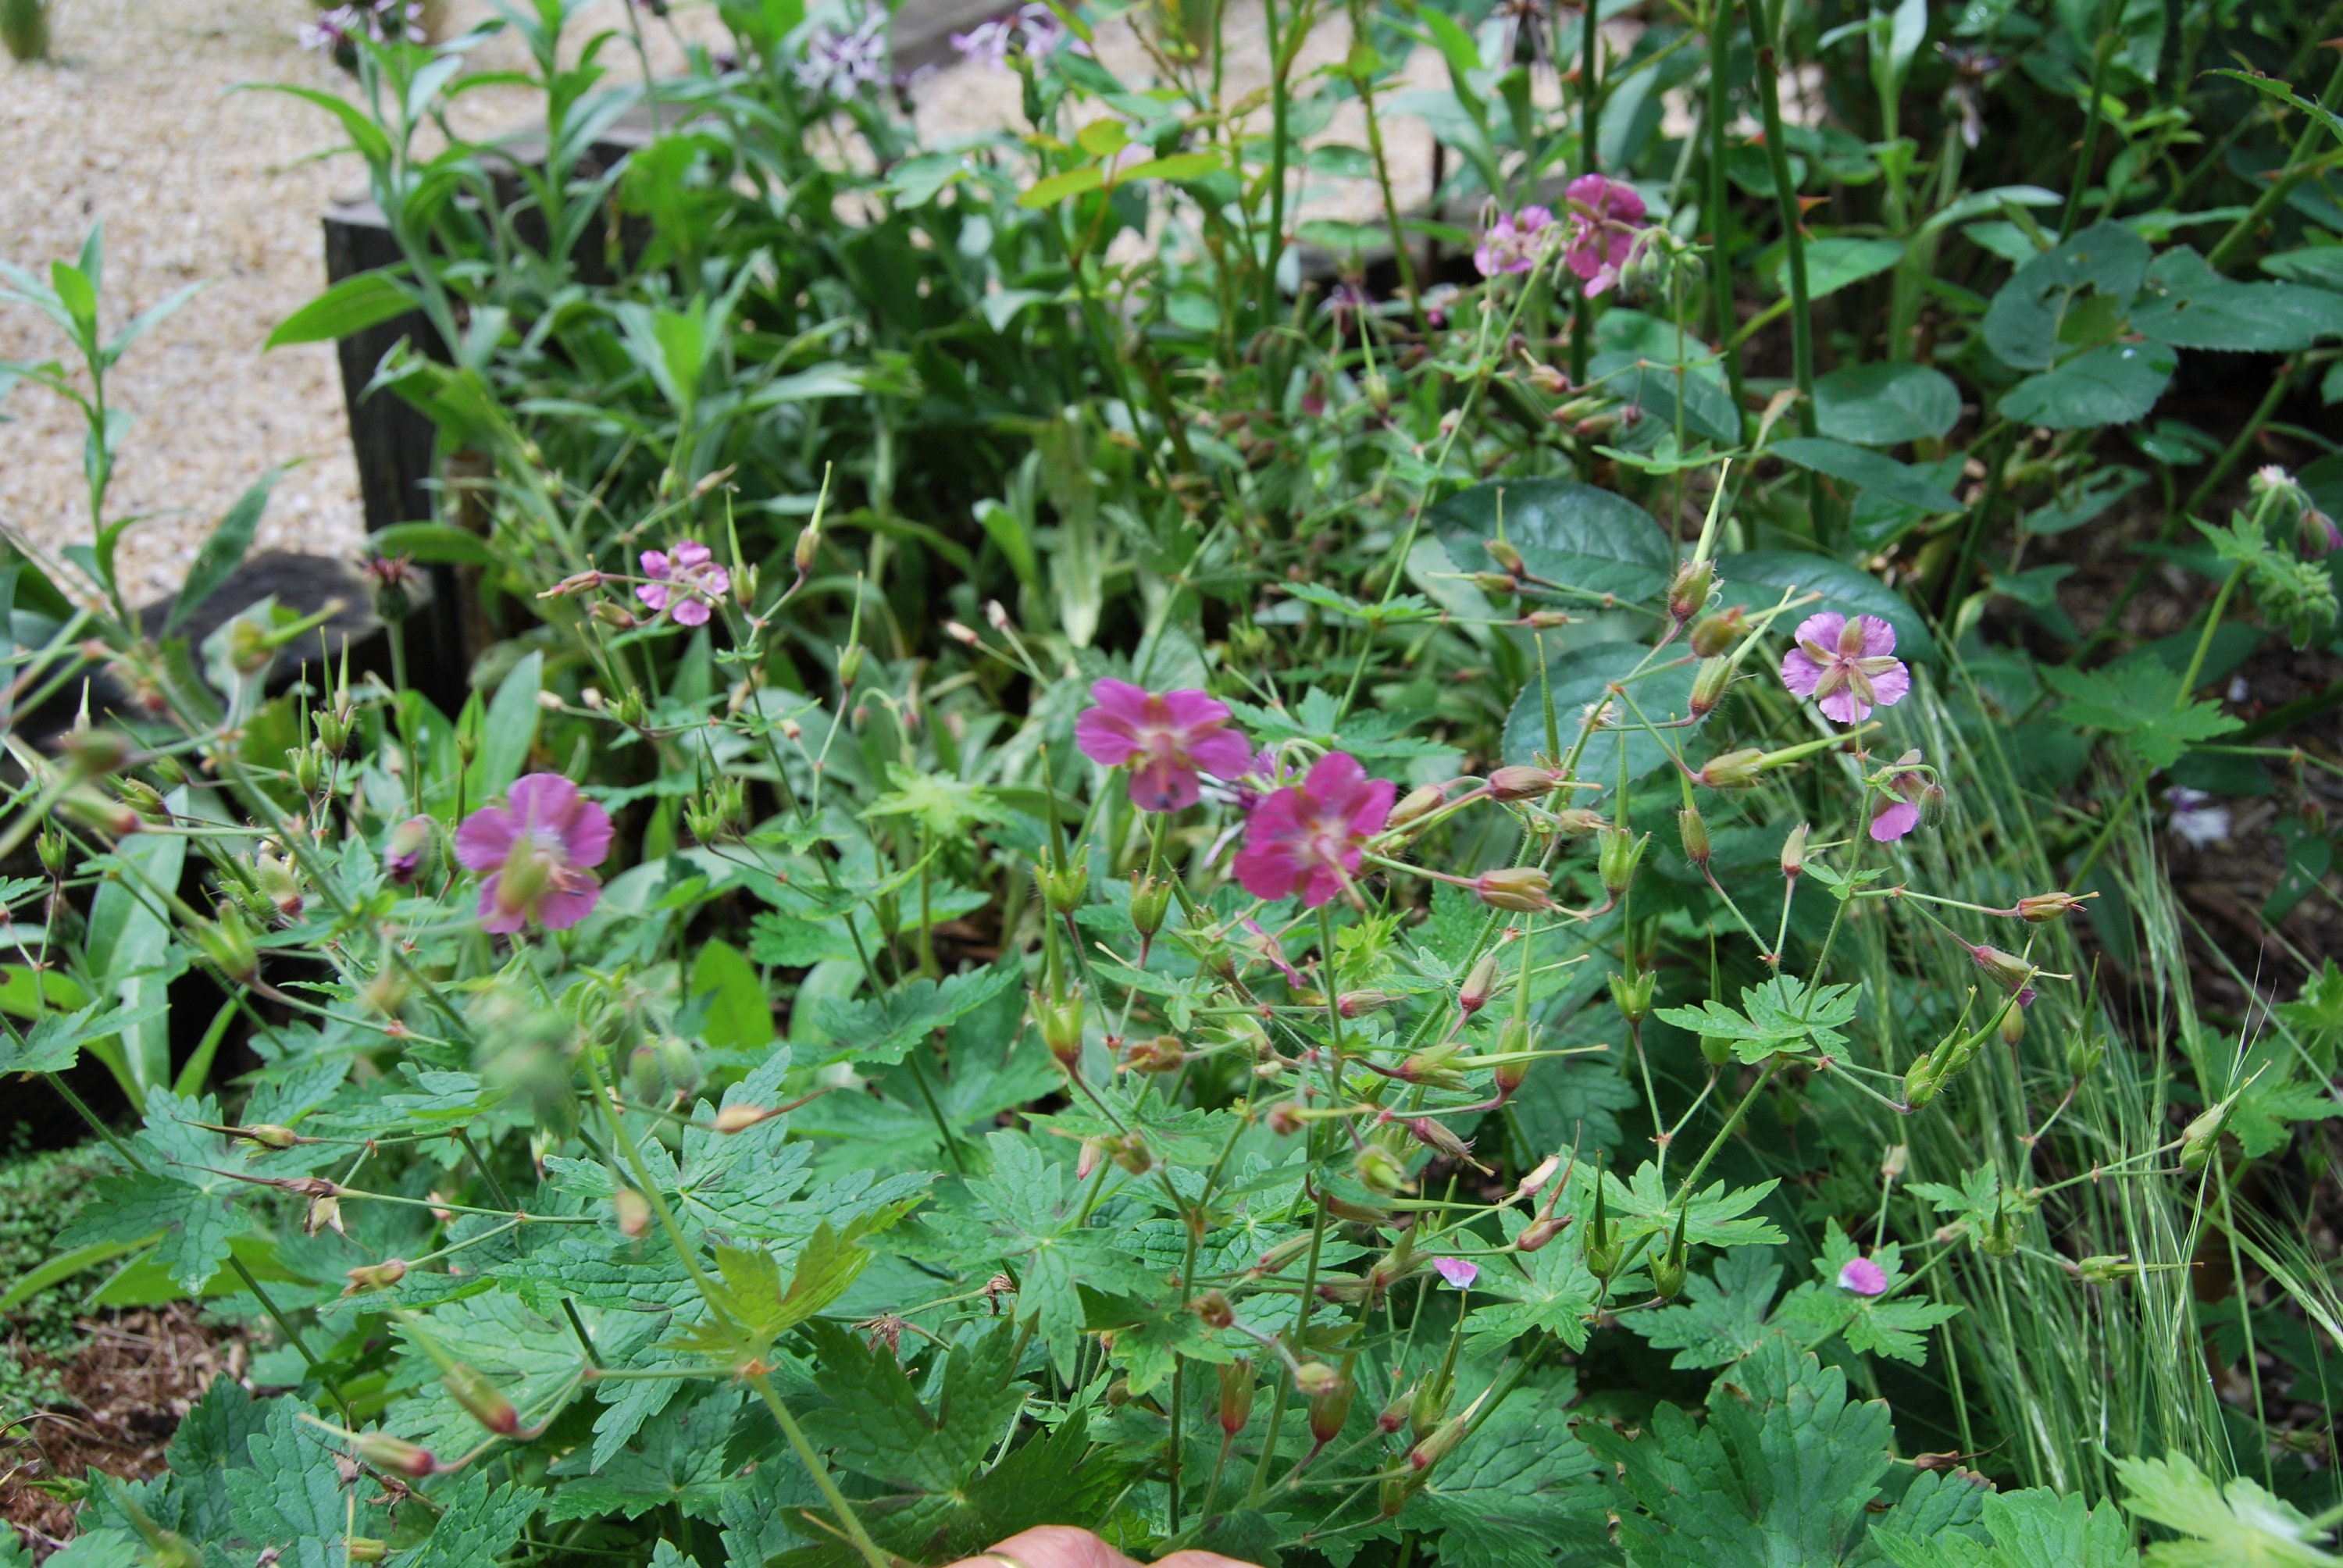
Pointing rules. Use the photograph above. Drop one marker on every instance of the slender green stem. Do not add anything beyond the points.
(2100, 55)
(1720, 191)
(1785, 203)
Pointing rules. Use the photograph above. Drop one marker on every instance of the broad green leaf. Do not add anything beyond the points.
(1720, 1320)
(359, 301)
(55, 1042)
(291, 1497)
(181, 1193)
(2139, 701)
(2188, 305)
(1549, 1289)
(2034, 1528)
(476, 1524)
(2319, 265)
(877, 1424)
(2113, 384)
(678, 1460)
(740, 1014)
(1579, 683)
(2238, 1526)
(1886, 404)
(1574, 535)
(1873, 471)
(1780, 1017)
(222, 552)
(1519, 1487)
(879, 1032)
(2026, 321)
(1836, 262)
(1059, 186)
(1756, 580)
(510, 730)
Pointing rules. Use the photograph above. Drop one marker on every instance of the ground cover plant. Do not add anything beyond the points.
(1487, 886)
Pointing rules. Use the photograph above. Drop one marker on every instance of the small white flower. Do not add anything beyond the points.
(2195, 821)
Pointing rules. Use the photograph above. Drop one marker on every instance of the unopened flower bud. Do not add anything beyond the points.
(482, 1399)
(364, 1548)
(1547, 620)
(1330, 1408)
(613, 615)
(1519, 782)
(1733, 769)
(850, 665)
(1708, 684)
(1577, 822)
(1538, 1233)
(633, 1211)
(228, 942)
(379, 1276)
(1236, 1395)
(1311, 1379)
(1479, 985)
(1414, 806)
(1131, 1152)
(1547, 379)
(1284, 1119)
(2013, 1026)
(1508, 559)
(1688, 595)
(962, 634)
(87, 808)
(2041, 909)
(2014, 973)
(1521, 888)
(1435, 1136)
(1668, 1276)
(1359, 1003)
(734, 1119)
(1494, 582)
(384, 1451)
(1715, 634)
(1633, 994)
(94, 751)
(1213, 1310)
(1692, 828)
(1793, 852)
(1715, 1050)
(1535, 1181)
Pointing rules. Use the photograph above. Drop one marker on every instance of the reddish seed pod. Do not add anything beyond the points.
(1520, 888)
(1479, 985)
(1414, 806)
(1538, 1233)
(384, 1451)
(1519, 782)
(1329, 1407)
(1359, 1003)
(482, 1399)
(2041, 909)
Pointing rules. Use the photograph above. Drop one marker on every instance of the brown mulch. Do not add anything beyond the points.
(133, 1378)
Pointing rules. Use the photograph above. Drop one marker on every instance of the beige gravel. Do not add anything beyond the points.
(133, 125)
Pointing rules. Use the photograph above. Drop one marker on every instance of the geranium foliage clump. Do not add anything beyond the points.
(1381, 892)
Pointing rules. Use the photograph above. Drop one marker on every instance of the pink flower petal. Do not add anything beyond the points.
(1845, 707)
(1892, 820)
(655, 564)
(691, 611)
(653, 595)
(1822, 628)
(485, 837)
(1878, 636)
(1458, 1271)
(1800, 673)
(565, 907)
(1864, 1277)
(1893, 685)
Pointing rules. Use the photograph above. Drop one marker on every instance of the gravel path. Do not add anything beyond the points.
(133, 125)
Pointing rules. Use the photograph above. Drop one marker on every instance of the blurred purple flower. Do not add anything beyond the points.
(1906, 791)
(843, 63)
(1606, 222)
(403, 853)
(1511, 242)
(1845, 666)
(1308, 838)
(1458, 1271)
(538, 850)
(1864, 1277)
(683, 582)
(1165, 741)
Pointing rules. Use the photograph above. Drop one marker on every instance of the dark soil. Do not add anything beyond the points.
(133, 1378)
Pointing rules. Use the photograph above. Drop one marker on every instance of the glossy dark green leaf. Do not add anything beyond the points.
(2111, 386)
(2023, 326)
(1568, 533)
(1579, 681)
(1884, 405)
(1870, 470)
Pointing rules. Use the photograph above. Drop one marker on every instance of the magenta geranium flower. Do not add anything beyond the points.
(1164, 739)
(1864, 1277)
(537, 850)
(1307, 838)
(1606, 223)
(1512, 241)
(1847, 666)
(683, 582)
